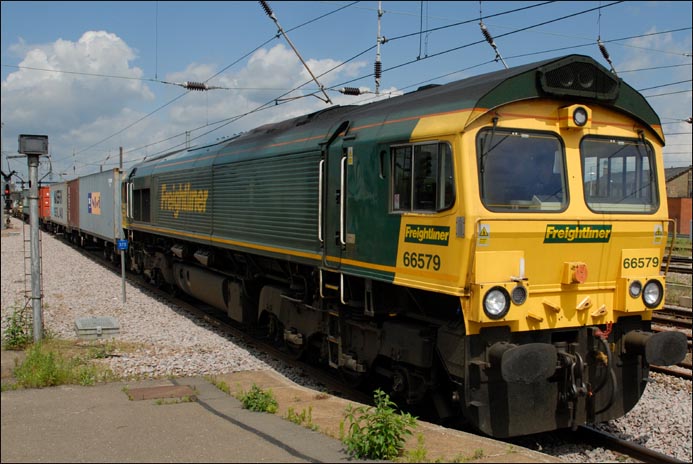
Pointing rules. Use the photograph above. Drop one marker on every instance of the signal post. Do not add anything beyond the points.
(34, 146)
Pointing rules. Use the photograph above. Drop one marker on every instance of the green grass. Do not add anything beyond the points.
(46, 365)
(304, 418)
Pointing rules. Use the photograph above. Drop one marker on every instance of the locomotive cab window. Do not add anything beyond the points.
(618, 175)
(521, 171)
(422, 177)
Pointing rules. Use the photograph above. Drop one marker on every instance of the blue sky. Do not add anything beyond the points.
(109, 62)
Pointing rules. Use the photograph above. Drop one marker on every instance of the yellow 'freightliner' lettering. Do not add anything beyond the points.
(424, 234)
(570, 233)
(183, 199)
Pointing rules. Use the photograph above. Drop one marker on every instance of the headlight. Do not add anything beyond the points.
(585, 79)
(635, 289)
(580, 116)
(652, 294)
(496, 303)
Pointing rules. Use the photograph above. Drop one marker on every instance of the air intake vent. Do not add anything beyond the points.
(578, 78)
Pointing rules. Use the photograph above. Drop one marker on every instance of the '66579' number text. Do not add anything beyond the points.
(637, 263)
(421, 260)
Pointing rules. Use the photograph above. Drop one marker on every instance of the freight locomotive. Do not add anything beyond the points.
(491, 246)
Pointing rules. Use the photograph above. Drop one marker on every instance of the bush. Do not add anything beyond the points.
(258, 400)
(377, 433)
(18, 332)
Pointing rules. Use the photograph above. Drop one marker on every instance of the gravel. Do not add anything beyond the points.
(168, 342)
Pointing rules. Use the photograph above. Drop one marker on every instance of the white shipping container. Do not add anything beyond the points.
(99, 205)
(58, 203)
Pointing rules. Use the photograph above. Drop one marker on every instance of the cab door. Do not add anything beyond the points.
(333, 196)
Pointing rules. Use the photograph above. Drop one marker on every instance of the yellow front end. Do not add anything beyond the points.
(566, 284)
(575, 262)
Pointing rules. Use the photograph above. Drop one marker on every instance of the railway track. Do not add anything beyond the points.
(679, 265)
(633, 450)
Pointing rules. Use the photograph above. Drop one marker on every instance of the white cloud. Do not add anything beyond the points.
(67, 102)
(78, 111)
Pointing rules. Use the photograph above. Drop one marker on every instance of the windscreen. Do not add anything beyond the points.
(521, 171)
(618, 175)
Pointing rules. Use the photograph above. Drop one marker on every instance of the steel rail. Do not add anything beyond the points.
(626, 447)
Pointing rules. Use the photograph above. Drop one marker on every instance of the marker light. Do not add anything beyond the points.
(519, 295)
(575, 117)
(580, 116)
(635, 289)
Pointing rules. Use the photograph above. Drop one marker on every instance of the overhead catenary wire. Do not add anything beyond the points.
(270, 13)
(489, 38)
(664, 85)
(421, 31)
(378, 66)
(265, 106)
(605, 54)
(243, 57)
(216, 74)
(600, 45)
(435, 55)
(229, 120)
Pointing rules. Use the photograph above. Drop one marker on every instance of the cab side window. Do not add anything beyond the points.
(423, 177)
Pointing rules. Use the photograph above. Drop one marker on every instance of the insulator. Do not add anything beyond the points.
(487, 34)
(602, 49)
(350, 91)
(195, 86)
(378, 69)
(266, 7)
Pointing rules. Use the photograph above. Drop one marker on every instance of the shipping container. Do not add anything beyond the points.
(58, 213)
(99, 205)
(44, 203)
(73, 204)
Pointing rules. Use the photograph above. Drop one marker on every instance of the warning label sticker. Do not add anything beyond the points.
(484, 235)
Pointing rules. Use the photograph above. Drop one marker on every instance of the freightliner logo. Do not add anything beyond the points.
(428, 235)
(567, 233)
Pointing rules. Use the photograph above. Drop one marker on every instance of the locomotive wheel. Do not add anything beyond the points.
(157, 279)
(317, 354)
(275, 330)
(295, 351)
